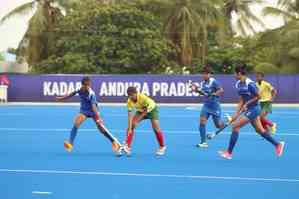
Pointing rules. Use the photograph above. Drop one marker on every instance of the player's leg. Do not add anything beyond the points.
(159, 136)
(202, 129)
(80, 118)
(234, 137)
(204, 116)
(266, 109)
(218, 122)
(279, 146)
(130, 133)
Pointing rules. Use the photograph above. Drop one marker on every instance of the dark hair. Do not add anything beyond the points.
(260, 73)
(85, 79)
(240, 69)
(131, 90)
(207, 69)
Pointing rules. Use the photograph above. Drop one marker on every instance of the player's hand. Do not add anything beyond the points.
(98, 119)
(244, 108)
(193, 87)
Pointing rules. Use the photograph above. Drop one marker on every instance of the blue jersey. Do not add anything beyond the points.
(87, 99)
(247, 90)
(210, 86)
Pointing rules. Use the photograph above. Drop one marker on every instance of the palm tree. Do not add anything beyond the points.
(182, 29)
(246, 17)
(35, 43)
(187, 27)
(288, 35)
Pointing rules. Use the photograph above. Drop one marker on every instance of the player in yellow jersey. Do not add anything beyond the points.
(145, 108)
(267, 93)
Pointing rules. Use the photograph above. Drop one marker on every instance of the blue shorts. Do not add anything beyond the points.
(215, 112)
(88, 113)
(253, 113)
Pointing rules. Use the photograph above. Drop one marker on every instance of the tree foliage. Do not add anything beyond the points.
(97, 38)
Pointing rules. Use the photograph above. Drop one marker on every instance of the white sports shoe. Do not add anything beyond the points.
(161, 151)
(127, 150)
(203, 145)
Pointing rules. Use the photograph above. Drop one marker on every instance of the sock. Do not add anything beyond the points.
(159, 136)
(105, 132)
(269, 138)
(130, 138)
(202, 130)
(265, 126)
(266, 122)
(233, 140)
(73, 134)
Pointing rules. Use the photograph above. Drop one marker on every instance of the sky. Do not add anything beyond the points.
(12, 31)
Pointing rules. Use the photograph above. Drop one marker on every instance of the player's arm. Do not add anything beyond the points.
(94, 108)
(254, 91)
(219, 90)
(238, 110)
(130, 120)
(273, 92)
(67, 96)
(130, 116)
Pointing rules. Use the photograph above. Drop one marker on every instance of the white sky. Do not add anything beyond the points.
(12, 31)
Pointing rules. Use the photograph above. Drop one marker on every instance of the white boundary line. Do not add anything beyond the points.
(198, 177)
(124, 104)
(41, 192)
(168, 132)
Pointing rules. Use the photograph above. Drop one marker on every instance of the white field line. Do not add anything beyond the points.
(41, 192)
(194, 177)
(168, 132)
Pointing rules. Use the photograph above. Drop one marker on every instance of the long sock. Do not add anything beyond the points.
(233, 140)
(130, 138)
(265, 126)
(105, 132)
(266, 122)
(202, 130)
(159, 136)
(73, 134)
(269, 138)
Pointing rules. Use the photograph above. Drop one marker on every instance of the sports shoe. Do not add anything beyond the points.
(161, 151)
(127, 150)
(279, 149)
(68, 146)
(203, 145)
(117, 148)
(225, 155)
(274, 128)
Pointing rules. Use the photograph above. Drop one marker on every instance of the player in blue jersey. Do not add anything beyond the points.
(211, 90)
(88, 109)
(249, 105)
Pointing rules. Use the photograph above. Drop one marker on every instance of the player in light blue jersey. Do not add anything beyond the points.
(88, 109)
(211, 90)
(250, 107)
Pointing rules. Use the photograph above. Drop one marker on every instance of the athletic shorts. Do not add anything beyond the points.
(207, 112)
(153, 115)
(89, 114)
(253, 113)
(266, 106)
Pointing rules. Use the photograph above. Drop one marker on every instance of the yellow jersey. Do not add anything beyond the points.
(265, 91)
(142, 102)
